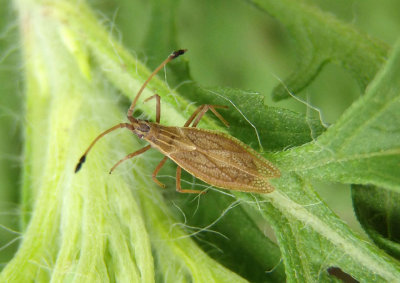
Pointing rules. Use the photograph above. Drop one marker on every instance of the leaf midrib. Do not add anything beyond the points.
(299, 213)
(351, 137)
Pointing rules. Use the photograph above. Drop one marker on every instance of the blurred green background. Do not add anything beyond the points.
(231, 43)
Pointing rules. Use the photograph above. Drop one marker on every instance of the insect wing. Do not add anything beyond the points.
(223, 161)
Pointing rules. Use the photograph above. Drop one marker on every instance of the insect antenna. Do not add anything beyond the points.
(171, 57)
(132, 119)
(83, 157)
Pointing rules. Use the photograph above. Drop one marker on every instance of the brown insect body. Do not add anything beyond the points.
(214, 157)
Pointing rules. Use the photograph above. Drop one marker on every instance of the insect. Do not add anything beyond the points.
(213, 157)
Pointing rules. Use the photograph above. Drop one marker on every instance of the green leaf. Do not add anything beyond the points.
(363, 147)
(378, 211)
(225, 229)
(313, 239)
(320, 38)
(348, 152)
(261, 126)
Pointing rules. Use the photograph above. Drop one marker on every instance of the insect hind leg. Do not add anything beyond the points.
(178, 184)
(201, 110)
(154, 176)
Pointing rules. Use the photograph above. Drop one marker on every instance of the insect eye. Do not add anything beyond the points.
(144, 128)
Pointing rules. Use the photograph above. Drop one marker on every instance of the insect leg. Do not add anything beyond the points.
(133, 154)
(194, 115)
(158, 107)
(83, 157)
(207, 107)
(178, 184)
(154, 176)
(212, 108)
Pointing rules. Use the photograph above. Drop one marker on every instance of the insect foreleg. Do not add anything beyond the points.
(158, 107)
(201, 110)
(133, 154)
(178, 183)
(154, 176)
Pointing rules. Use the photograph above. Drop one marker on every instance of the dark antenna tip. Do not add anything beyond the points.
(178, 53)
(79, 165)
